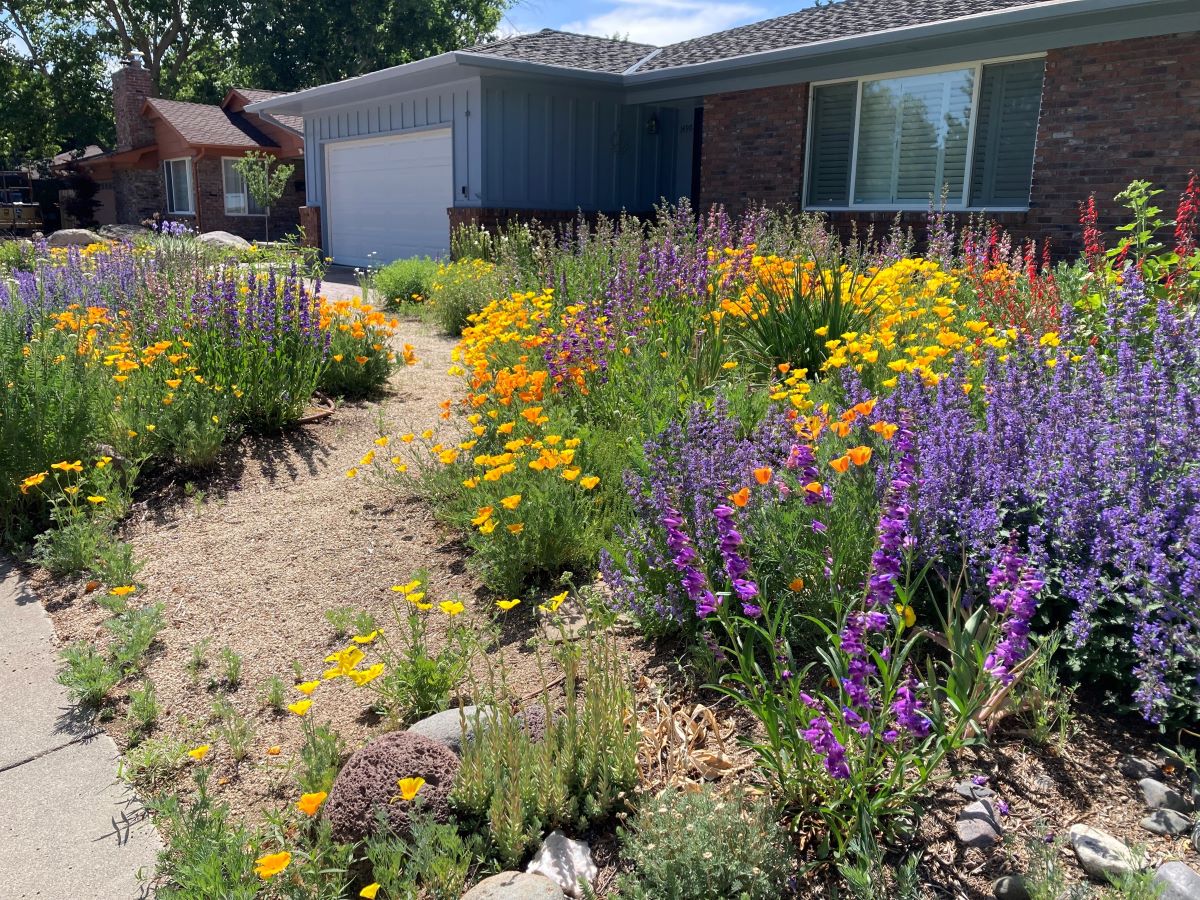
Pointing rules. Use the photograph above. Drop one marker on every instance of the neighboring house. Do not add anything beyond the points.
(865, 109)
(175, 160)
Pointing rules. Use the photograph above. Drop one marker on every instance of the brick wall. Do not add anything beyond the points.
(752, 149)
(310, 221)
(1112, 113)
(131, 86)
(138, 194)
(210, 196)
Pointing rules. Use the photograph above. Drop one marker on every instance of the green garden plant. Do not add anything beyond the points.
(406, 281)
(682, 845)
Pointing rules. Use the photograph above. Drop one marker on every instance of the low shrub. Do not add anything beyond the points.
(433, 862)
(514, 788)
(406, 280)
(460, 290)
(682, 845)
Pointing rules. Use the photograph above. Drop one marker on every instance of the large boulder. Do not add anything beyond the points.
(73, 237)
(1177, 881)
(368, 783)
(453, 726)
(224, 239)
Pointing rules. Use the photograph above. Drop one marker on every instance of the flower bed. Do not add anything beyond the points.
(885, 507)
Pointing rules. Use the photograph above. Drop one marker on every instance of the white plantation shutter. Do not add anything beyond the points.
(912, 138)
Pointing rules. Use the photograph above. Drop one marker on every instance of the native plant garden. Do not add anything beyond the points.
(880, 508)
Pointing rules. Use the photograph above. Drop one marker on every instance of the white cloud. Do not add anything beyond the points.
(664, 22)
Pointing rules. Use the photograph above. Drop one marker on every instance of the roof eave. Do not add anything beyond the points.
(1045, 11)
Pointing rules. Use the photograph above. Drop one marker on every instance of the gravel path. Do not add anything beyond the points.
(251, 558)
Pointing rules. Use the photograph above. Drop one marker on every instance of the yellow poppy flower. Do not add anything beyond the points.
(368, 458)
(65, 466)
(796, 584)
(122, 591)
(488, 527)
(308, 687)
(516, 527)
(907, 614)
(554, 602)
(344, 661)
(366, 638)
(366, 675)
(451, 607)
(270, 865)
(506, 605)
(482, 515)
(310, 803)
(410, 787)
(300, 707)
(382, 441)
(198, 753)
(350, 473)
(407, 588)
(571, 473)
(370, 890)
(96, 499)
(511, 502)
(588, 482)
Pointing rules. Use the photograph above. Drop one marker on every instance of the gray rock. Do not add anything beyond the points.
(1167, 822)
(978, 826)
(1178, 881)
(1102, 856)
(1196, 837)
(515, 886)
(1010, 887)
(123, 232)
(1159, 796)
(1137, 767)
(223, 239)
(73, 237)
(1044, 784)
(566, 862)
(973, 791)
(1196, 793)
(451, 727)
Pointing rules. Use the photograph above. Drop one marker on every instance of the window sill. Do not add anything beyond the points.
(171, 212)
(232, 215)
(986, 210)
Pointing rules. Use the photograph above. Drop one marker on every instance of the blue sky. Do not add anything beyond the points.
(649, 21)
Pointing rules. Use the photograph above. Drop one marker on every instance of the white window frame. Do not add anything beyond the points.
(225, 194)
(962, 205)
(168, 181)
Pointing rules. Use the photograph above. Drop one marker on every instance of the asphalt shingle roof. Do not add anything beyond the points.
(563, 48)
(202, 124)
(841, 18)
(845, 18)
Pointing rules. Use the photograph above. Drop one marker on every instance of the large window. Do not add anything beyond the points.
(896, 142)
(238, 200)
(178, 176)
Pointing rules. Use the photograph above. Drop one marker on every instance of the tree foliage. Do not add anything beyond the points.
(56, 55)
(53, 83)
(286, 46)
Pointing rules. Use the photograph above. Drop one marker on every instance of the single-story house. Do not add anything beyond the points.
(175, 159)
(864, 109)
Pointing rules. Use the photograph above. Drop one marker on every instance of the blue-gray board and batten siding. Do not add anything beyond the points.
(525, 144)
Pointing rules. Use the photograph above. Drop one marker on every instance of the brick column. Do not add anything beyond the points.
(752, 148)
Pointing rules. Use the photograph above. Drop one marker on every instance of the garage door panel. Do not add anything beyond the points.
(389, 197)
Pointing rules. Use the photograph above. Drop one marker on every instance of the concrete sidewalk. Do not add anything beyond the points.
(67, 827)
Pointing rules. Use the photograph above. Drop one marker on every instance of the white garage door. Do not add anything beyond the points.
(388, 197)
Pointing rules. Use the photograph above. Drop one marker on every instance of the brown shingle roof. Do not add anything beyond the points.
(205, 125)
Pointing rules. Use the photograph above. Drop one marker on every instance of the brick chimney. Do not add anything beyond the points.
(131, 86)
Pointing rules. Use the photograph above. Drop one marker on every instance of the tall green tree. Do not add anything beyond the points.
(53, 83)
(286, 46)
(167, 33)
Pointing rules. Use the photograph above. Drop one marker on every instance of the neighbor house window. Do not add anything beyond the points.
(178, 175)
(238, 201)
(898, 141)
